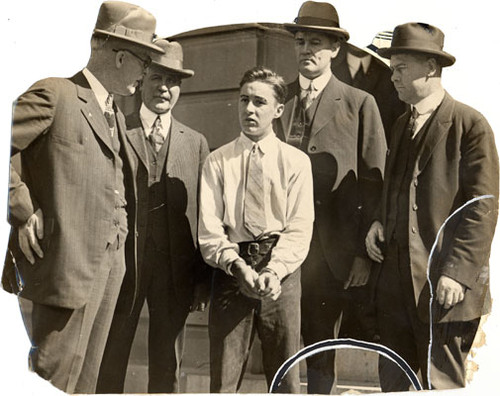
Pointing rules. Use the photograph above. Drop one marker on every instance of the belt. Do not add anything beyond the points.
(253, 252)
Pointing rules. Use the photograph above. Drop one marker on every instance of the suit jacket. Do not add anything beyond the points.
(68, 170)
(457, 162)
(377, 82)
(347, 151)
(186, 154)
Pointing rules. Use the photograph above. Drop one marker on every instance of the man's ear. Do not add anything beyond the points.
(433, 67)
(279, 110)
(335, 46)
(119, 57)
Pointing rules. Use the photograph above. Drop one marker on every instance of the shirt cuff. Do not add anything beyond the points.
(279, 269)
(228, 257)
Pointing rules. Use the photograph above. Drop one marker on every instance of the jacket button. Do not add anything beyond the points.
(318, 202)
(415, 207)
(313, 148)
(413, 230)
(415, 182)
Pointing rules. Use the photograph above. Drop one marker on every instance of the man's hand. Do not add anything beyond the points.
(29, 234)
(246, 277)
(373, 238)
(449, 292)
(268, 285)
(360, 272)
(201, 297)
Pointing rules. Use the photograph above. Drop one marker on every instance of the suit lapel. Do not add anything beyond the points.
(437, 130)
(135, 135)
(177, 141)
(91, 109)
(327, 106)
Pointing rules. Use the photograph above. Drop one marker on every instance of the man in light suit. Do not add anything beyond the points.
(438, 214)
(341, 131)
(164, 265)
(67, 206)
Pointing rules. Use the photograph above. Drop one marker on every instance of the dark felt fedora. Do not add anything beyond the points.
(416, 37)
(320, 17)
(172, 59)
(127, 22)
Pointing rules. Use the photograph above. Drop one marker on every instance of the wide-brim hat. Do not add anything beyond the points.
(381, 40)
(172, 59)
(127, 22)
(317, 16)
(416, 37)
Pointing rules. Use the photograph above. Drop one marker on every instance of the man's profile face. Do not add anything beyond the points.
(314, 52)
(160, 89)
(410, 74)
(132, 64)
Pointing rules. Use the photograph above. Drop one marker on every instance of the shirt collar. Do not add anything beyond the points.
(148, 118)
(430, 103)
(100, 92)
(355, 62)
(319, 83)
(265, 145)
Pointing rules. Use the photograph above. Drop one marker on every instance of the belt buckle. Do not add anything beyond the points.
(253, 249)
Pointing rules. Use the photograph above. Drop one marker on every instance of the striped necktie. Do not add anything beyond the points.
(155, 137)
(109, 114)
(254, 210)
(308, 96)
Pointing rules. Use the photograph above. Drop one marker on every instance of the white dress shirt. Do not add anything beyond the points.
(288, 203)
(426, 107)
(355, 62)
(148, 118)
(319, 83)
(100, 92)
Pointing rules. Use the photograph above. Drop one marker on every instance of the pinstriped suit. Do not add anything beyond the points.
(165, 274)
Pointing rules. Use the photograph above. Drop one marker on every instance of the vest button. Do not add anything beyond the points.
(313, 148)
(413, 230)
(415, 207)
(415, 182)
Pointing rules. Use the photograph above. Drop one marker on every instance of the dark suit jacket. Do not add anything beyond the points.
(186, 155)
(347, 150)
(68, 166)
(457, 162)
(377, 83)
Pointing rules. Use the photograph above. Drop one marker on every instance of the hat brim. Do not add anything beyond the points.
(130, 39)
(444, 58)
(294, 27)
(184, 73)
(369, 51)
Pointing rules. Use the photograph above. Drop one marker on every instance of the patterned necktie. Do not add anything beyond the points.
(254, 211)
(308, 97)
(155, 137)
(412, 123)
(109, 114)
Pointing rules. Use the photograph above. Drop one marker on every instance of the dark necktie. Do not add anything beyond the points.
(308, 96)
(254, 210)
(155, 137)
(412, 123)
(359, 77)
(109, 114)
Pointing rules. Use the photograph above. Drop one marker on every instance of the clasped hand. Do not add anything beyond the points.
(29, 235)
(265, 285)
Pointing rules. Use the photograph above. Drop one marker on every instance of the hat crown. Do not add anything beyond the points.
(126, 21)
(172, 59)
(317, 13)
(418, 34)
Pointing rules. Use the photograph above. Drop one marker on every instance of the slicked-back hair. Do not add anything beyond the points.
(267, 76)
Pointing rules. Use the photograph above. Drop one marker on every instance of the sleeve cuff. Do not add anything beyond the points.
(279, 269)
(227, 258)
